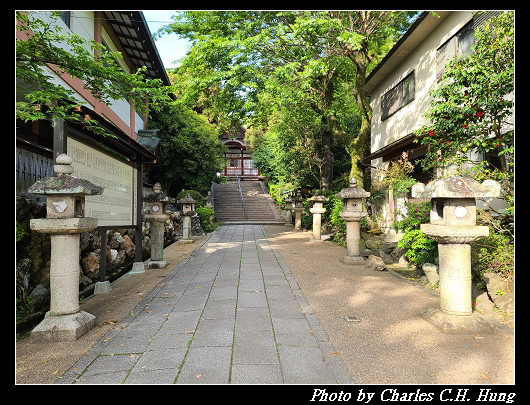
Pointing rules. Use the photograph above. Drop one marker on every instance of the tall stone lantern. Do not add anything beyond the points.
(453, 225)
(188, 210)
(352, 214)
(317, 210)
(65, 221)
(298, 208)
(157, 218)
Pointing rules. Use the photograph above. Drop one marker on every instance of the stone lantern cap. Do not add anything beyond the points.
(318, 197)
(64, 183)
(353, 191)
(158, 195)
(298, 196)
(456, 187)
(187, 200)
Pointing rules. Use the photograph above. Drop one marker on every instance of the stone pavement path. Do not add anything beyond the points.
(231, 313)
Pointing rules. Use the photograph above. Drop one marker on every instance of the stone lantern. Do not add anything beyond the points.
(209, 200)
(453, 225)
(352, 214)
(157, 218)
(65, 221)
(317, 210)
(288, 207)
(298, 208)
(188, 210)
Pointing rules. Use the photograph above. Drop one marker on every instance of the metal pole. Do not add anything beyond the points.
(139, 207)
(138, 265)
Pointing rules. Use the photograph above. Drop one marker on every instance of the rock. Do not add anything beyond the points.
(118, 259)
(506, 302)
(499, 291)
(387, 258)
(90, 264)
(40, 296)
(86, 241)
(397, 253)
(432, 272)
(196, 228)
(128, 246)
(402, 262)
(388, 247)
(115, 240)
(23, 274)
(494, 283)
(376, 263)
(373, 244)
(146, 245)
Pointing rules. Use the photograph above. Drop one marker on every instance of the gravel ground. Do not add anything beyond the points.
(392, 343)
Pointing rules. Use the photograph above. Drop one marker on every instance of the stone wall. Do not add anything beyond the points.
(33, 256)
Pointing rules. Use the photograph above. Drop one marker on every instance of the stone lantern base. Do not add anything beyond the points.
(156, 264)
(63, 328)
(457, 324)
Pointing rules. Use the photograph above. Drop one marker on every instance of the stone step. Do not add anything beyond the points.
(228, 206)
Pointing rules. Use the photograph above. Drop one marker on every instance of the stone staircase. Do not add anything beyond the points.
(259, 207)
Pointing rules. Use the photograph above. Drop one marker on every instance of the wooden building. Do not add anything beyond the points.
(239, 159)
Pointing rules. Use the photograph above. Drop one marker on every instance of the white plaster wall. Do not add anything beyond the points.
(421, 60)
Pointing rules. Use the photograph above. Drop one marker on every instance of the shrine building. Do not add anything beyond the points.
(239, 158)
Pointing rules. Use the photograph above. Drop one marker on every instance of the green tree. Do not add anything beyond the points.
(472, 109)
(191, 152)
(256, 63)
(42, 44)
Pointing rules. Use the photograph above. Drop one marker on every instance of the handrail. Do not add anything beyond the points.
(241, 194)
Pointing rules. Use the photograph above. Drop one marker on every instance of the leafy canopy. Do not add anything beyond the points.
(43, 46)
(191, 151)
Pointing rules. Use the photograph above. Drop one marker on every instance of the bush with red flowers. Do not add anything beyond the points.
(472, 110)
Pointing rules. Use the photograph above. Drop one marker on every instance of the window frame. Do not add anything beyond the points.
(66, 17)
(394, 99)
(469, 29)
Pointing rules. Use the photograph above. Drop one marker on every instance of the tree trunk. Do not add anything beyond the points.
(363, 140)
(326, 181)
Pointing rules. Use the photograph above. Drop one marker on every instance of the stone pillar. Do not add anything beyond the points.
(65, 221)
(186, 228)
(455, 278)
(317, 211)
(352, 214)
(298, 208)
(453, 226)
(156, 231)
(353, 239)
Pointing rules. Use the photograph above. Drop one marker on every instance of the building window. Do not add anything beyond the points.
(460, 44)
(465, 39)
(66, 17)
(398, 97)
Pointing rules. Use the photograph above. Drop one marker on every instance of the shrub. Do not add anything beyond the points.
(420, 249)
(494, 253)
(205, 214)
(336, 205)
